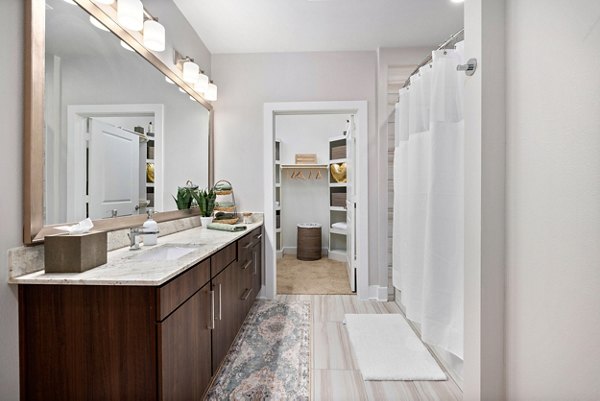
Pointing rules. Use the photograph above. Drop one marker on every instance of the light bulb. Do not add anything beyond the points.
(97, 24)
(201, 84)
(154, 36)
(169, 81)
(192, 99)
(70, 2)
(130, 14)
(126, 46)
(182, 91)
(211, 92)
(190, 71)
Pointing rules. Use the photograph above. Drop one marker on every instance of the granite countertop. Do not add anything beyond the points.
(125, 267)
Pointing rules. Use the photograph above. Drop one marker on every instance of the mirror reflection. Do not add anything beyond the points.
(119, 138)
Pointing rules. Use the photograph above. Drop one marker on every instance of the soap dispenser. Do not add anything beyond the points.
(150, 229)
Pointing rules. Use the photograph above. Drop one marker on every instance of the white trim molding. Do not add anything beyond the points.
(378, 293)
(358, 108)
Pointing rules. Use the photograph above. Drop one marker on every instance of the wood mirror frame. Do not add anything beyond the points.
(34, 230)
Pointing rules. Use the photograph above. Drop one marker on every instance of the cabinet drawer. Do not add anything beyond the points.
(222, 259)
(176, 291)
(246, 243)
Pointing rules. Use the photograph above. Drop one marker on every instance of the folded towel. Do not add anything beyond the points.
(222, 186)
(224, 216)
(340, 226)
(225, 227)
(225, 204)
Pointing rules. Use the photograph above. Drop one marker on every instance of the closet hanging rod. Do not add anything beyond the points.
(452, 40)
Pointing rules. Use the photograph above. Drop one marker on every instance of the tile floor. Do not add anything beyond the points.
(335, 373)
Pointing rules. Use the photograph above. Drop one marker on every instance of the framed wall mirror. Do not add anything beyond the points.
(111, 131)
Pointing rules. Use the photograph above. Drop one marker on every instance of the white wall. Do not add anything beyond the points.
(180, 34)
(485, 143)
(11, 84)
(553, 193)
(247, 81)
(306, 201)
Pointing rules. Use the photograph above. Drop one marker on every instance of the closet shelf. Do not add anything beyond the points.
(338, 184)
(338, 161)
(337, 209)
(337, 231)
(304, 166)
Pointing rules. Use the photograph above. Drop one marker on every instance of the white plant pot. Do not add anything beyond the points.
(205, 221)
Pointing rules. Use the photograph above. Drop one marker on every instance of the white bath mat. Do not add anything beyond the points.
(388, 349)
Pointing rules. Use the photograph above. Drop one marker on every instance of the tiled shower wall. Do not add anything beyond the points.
(397, 75)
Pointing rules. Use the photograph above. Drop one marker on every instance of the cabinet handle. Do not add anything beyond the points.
(220, 303)
(257, 237)
(212, 310)
(248, 245)
(255, 262)
(246, 294)
(245, 267)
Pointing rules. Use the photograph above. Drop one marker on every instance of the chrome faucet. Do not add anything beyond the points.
(134, 233)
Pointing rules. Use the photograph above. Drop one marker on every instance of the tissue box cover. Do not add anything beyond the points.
(74, 253)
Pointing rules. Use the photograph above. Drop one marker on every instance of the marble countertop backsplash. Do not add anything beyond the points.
(26, 264)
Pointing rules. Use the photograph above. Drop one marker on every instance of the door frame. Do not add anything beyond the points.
(360, 109)
(76, 116)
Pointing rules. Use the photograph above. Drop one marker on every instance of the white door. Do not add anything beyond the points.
(351, 204)
(113, 171)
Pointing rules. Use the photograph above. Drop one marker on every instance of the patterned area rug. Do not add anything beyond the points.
(270, 358)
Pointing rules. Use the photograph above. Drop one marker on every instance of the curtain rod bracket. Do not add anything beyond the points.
(468, 68)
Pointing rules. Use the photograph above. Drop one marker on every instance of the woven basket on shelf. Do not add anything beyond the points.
(228, 209)
(227, 221)
(225, 192)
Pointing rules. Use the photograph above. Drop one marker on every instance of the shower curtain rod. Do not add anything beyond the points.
(453, 40)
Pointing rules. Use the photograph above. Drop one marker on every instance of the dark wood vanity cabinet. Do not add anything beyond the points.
(84, 342)
(184, 358)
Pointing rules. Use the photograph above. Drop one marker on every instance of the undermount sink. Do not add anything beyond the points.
(165, 252)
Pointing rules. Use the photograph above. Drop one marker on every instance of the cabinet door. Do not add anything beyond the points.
(185, 349)
(225, 288)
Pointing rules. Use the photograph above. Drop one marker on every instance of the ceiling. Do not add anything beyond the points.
(257, 26)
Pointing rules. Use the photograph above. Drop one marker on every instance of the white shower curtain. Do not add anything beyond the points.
(428, 253)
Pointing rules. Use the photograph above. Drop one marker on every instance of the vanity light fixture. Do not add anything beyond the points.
(169, 80)
(154, 35)
(191, 71)
(192, 99)
(130, 14)
(98, 24)
(201, 84)
(457, 1)
(70, 2)
(181, 90)
(211, 92)
(126, 46)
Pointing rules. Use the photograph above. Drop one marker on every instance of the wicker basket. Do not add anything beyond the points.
(227, 221)
(228, 209)
(225, 192)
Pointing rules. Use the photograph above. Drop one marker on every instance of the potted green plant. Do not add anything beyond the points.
(206, 202)
(184, 197)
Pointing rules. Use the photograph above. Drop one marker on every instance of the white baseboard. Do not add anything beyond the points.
(261, 293)
(378, 293)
